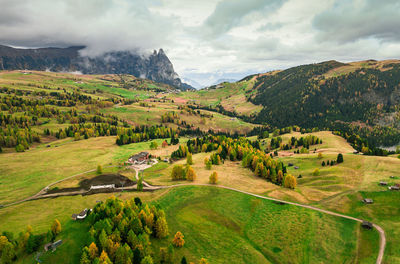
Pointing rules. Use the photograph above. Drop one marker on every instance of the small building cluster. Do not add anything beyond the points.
(139, 158)
(82, 215)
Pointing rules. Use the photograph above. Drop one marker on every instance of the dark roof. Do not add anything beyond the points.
(139, 155)
(367, 224)
(57, 243)
(83, 213)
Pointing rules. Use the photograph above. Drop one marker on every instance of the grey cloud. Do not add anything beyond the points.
(348, 21)
(231, 13)
(102, 25)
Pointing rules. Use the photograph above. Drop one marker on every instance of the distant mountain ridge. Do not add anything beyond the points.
(156, 67)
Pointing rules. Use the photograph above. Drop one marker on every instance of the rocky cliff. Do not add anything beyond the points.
(156, 67)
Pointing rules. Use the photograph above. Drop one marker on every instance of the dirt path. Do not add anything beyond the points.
(382, 235)
(42, 192)
(147, 187)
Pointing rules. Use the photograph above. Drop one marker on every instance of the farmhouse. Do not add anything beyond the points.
(394, 188)
(368, 201)
(139, 158)
(383, 183)
(99, 187)
(52, 246)
(82, 215)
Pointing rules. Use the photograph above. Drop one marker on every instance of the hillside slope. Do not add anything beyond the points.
(318, 94)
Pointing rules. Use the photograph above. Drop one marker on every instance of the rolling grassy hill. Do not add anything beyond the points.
(218, 224)
(223, 225)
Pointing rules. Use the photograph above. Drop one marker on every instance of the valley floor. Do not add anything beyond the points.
(227, 222)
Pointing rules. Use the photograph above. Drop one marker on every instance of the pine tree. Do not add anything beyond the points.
(339, 158)
(104, 259)
(190, 174)
(161, 227)
(93, 251)
(56, 227)
(189, 159)
(183, 261)
(279, 177)
(147, 260)
(208, 165)
(178, 240)
(140, 184)
(99, 169)
(290, 181)
(177, 173)
(213, 178)
(203, 261)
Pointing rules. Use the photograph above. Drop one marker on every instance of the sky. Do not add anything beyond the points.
(209, 40)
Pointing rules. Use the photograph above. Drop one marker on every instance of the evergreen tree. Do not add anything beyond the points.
(183, 260)
(140, 184)
(99, 170)
(189, 159)
(190, 174)
(161, 227)
(290, 181)
(178, 240)
(339, 158)
(56, 228)
(213, 178)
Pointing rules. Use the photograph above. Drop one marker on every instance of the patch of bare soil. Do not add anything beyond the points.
(104, 179)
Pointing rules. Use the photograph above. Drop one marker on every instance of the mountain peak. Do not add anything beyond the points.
(158, 68)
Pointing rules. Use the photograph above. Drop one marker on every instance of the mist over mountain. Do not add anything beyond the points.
(156, 67)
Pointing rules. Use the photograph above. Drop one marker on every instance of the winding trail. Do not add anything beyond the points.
(147, 187)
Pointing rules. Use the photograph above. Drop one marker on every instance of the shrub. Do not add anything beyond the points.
(315, 172)
(20, 148)
(99, 169)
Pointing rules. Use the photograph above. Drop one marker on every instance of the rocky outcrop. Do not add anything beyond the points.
(156, 67)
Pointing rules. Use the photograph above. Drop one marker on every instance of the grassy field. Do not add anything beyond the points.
(139, 115)
(230, 174)
(232, 96)
(225, 226)
(220, 225)
(229, 227)
(24, 174)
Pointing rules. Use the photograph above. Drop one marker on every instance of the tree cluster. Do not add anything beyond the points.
(121, 231)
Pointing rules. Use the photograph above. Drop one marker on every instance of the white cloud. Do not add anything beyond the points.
(212, 39)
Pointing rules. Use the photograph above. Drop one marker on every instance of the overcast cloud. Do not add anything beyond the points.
(210, 40)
